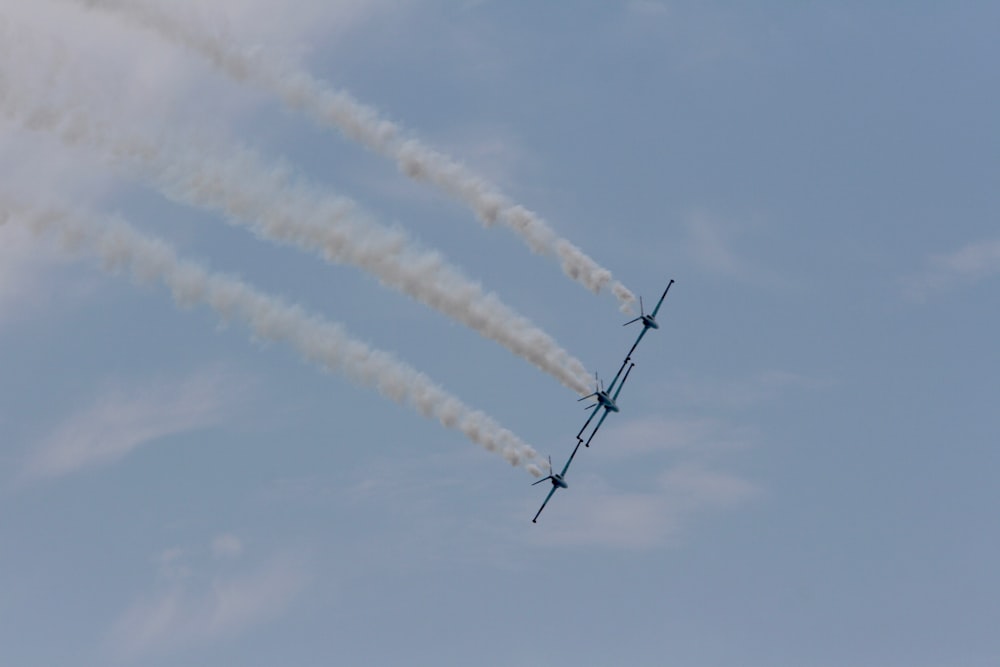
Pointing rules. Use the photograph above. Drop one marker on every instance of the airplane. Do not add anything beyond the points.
(609, 410)
(648, 321)
(558, 480)
(603, 397)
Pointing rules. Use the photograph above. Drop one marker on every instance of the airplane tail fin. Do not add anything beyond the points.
(545, 479)
(642, 313)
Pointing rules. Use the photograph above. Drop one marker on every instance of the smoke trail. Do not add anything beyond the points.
(324, 343)
(241, 187)
(364, 124)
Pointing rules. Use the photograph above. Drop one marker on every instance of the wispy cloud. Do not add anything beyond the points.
(644, 519)
(653, 513)
(968, 265)
(700, 434)
(192, 608)
(172, 563)
(227, 546)
(740, 392)
(711, 244)
(36, 277)
(30, 277)
(709, 428)
(671, 434)
(22, 262)
(125, 419)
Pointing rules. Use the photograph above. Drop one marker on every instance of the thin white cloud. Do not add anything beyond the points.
(693, 487)
(23, 261)
(643, 519)
(31, 269)
(645, 435)
(164, 86)
(227, 546)
(36, 281)
(125, 419)
(711, 245)
(261, 17)
(171, 563)
(974, 261)
(224, 605)
(654, 515)
(711, 248)
(737, 393)
(970, 264)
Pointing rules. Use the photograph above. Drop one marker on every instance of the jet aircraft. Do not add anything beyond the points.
(603, 396)
(603, 399)
(558, 480)
(648, 321)
(608, 409)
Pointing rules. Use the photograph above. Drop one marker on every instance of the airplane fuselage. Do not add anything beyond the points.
(557, 480)
(650, 322)
(606, 401)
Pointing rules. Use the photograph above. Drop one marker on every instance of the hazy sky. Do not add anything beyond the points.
(803, 473)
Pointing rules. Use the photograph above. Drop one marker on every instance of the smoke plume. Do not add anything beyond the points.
(247, 191)
(121, 247)
(364, 124)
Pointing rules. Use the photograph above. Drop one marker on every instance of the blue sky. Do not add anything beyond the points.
(803, 471)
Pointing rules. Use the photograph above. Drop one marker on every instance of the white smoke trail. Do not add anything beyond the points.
(241, 187)
(324, 343)
(364, 124)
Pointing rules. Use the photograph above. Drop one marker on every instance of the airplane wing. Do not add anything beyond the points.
(566, 467)
(546, 502)
(662, 297)
(615, 397)
(593, 412)
(597, 428)
(612, 385)
(636, 343)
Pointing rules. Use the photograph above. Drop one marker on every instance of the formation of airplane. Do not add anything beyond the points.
(603, 398)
